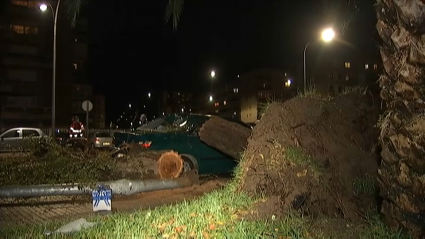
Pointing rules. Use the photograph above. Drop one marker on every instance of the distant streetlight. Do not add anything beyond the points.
(211, 83)
(211, 98)
(327, 36)
(43, 7)
(129, 106)
(149, 95)
(288, 83)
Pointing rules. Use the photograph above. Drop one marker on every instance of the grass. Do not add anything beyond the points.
(219, 214)
(365, 186)
(294, 155)
(216, 215)
(53, 164)
(311, 92)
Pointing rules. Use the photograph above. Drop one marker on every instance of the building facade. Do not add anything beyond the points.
(244, 97)
(26, 55)
(81, 93)
(346, 68)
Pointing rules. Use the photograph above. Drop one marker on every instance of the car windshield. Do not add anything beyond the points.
(103, 135)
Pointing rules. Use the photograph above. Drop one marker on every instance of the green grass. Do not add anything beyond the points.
(219, 214)
(365, 186)
(301, 158)
(216, 215)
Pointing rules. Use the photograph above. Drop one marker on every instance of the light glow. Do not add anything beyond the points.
(43, 7)
(328, 35)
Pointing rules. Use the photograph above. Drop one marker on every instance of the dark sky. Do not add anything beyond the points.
(132, 51)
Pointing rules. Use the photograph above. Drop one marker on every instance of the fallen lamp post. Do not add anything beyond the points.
(118, 187)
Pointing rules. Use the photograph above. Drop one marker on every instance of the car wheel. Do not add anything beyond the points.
(189, 163)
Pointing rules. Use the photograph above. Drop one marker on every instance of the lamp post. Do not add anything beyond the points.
(43, 7)
(327, 36)
(212, 77)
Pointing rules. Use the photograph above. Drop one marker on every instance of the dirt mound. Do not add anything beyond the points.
(314, 156)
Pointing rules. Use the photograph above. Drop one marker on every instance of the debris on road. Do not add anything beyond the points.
(73, 227)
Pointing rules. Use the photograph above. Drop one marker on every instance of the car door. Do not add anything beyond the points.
(10, 139)
(27, 136)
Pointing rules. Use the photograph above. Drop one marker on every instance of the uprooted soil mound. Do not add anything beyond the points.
(314, 156)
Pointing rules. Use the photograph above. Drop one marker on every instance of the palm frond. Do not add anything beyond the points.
(174, 9)
(73, 9)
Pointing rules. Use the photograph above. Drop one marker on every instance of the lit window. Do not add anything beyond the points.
(347, 65)
(75, 66)
(224, 103)
(347, 77)
(20, 3)
(366, 66)
(235, 90)
(375, 66)
(31, 30)
(23, 29)
(34, 4)
(17, 29)
(216, 104)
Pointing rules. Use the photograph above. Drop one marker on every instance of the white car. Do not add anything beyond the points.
(16, 138)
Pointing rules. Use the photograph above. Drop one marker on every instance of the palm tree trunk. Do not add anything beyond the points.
(401, 25)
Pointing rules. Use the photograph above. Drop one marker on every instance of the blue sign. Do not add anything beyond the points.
(102, 199)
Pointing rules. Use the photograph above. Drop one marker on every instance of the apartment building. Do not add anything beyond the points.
(243, 97)
(81, 93)
(346, 68)
(26, 40)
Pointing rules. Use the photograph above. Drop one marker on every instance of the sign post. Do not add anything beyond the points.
(87, 107)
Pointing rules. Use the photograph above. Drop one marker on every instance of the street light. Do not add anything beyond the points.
(43, 7)
(211, 83)
(149, 95)
(288, 83)
(327, 36)
(211, 98)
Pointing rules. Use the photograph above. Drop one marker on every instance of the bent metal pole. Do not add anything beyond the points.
(123, 186)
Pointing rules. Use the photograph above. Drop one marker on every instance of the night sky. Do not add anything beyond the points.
(132, 50)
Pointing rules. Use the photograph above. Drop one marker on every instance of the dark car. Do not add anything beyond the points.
(180, 134)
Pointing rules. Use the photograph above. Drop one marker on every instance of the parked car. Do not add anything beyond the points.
(101, 140)
(18, 138)
(180, 134)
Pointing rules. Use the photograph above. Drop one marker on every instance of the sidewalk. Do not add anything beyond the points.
(40, 212)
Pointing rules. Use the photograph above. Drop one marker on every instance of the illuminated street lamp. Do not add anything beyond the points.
(149, 95)
(327, 36)
(43, 7)
(288, 83)
(211, 83)
(211, 98)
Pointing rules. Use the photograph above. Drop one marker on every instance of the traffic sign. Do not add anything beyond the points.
(87, 106)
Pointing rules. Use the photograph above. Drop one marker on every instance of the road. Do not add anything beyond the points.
(41, 210)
